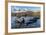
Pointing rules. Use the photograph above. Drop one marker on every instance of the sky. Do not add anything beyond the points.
(14, 8)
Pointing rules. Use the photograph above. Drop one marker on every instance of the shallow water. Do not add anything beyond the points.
(31, 25)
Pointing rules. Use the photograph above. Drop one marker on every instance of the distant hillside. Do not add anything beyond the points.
(28, 13)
